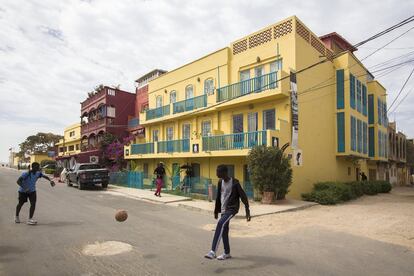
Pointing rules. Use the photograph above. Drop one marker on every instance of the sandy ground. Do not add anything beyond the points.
(384, 217)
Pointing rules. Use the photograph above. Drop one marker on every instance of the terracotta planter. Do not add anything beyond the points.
(267, 197)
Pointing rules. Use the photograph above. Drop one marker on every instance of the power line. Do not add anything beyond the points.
(395, 108)
(402, 88)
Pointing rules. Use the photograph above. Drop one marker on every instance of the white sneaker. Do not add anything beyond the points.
(16, 219)
(210, 255)
(224, 257)
(32, 222)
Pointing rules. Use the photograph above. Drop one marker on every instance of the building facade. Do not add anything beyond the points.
(215, 109)
(398, 173)
(70, 146)
(104, 112)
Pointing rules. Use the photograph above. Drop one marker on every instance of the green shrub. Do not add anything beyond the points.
(356, 189)
(370, 187)
(382, 186)
(327, 193)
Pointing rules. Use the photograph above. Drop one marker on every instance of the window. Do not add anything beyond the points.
(71, 148)
(209, 87)
(379, 109)
(274, 68)
(269, 119)
(359, 96)
(61, 149)
(111, 92)
(77, 146)
(206, 128)
(155, 135)
(72, 133)
(359, 135)
(353, 133)
(238, 123)
(364, 100)
(259, 82)
(340, 122)
(186, 131)
(189, 92)
(158, 101)
(365, 137)
(170, 133)
(352, 90)
(371, 142)
(340, 89)
(245, 84)
(173, 96)
(252, 122)
(370, 109)
(111, 111)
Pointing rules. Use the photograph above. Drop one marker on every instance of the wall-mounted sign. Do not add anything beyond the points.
(126, 152)
(275, 142)
(298, 158)
(196, 148)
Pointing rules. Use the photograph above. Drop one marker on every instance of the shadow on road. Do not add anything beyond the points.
(60, 223)
(256, 262)
(7, 250)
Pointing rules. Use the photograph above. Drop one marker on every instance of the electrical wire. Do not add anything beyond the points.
(395, 108)
(402, 88)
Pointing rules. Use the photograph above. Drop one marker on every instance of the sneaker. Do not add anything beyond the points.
(224, 257)
(32, 222)
(16, 219)
(210, 255)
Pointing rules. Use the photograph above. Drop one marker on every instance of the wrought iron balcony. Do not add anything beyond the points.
(182, 145)
(190, 104)
(157, 112)
(142, 148)
(244, 140)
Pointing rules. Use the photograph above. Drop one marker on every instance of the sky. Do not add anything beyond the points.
(53, 52)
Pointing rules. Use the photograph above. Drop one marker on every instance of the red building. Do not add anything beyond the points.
(104, 112)
(141, 101)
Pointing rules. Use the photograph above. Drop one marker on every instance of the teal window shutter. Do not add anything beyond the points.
(364, 100)
(352, 90)
(370, 109)
(359, 135)
(371, 142)
(353, 133)
(364, 137)
(340, 122)
(358, 96)
(340, 89)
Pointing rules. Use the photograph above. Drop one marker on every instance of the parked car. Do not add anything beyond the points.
(87, 174)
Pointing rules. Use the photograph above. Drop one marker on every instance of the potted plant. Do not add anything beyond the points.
(273, 179)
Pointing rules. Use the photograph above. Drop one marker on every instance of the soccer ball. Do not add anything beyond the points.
(121, 215)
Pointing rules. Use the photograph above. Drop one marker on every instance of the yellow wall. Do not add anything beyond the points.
(39, 158)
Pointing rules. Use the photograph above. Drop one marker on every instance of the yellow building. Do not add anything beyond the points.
(215, 109)
(39, 157)
(69, 146)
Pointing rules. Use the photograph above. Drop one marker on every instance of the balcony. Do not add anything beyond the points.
(90, 127)
(157, 112)
(133, 123)
(142, 148)
(253, 85)
(235, 141)
(174, 146)
(190, 104)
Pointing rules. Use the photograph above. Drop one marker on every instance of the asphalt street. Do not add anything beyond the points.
(168, 240)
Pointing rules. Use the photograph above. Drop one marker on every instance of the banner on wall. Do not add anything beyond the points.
(294, 108)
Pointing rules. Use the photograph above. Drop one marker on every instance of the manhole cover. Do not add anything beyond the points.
(107, 248)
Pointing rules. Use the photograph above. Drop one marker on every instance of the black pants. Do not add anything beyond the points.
(23, 199)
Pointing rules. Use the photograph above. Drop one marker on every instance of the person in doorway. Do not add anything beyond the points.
(27, 190)
(364, 177)
(159, 180)
(229, 193)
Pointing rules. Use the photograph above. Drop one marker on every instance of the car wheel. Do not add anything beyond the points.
(68, 183)
(81, 186)
(104, 185)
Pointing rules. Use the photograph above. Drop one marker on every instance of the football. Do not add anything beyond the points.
(121, 215)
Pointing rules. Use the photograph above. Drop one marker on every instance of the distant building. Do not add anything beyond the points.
(397, 156)
(69, 146)
(105, 112)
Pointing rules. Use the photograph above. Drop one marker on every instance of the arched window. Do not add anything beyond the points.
(158, 101)
(189, 92)
(209, 86)
(173, 96)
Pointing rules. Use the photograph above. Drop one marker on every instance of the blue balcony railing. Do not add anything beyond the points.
(158, 112)
(142, 148)
(244, 140)
(174, 146)
(253, 85)
(190, 104)
(134, 122)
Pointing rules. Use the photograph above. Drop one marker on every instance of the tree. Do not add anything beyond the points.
(96, 90)
(275, 176)
(113, 150)
(39, 143)
(410, 154)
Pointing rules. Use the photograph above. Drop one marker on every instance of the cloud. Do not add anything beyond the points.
(57, 51)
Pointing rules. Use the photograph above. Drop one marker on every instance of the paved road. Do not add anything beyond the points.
(168, 241)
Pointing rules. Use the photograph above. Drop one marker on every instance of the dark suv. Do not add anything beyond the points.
(87, 174)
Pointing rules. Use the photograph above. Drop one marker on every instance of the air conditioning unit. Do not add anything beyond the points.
(93, 159)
